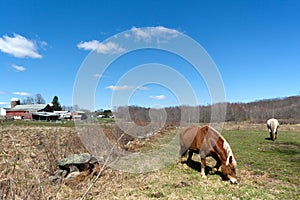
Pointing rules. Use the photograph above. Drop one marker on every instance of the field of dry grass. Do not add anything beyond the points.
(29, 154)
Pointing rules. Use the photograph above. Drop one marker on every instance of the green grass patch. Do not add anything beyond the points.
(106, 120)
(278, 159)
(266, 170)
(62, 123)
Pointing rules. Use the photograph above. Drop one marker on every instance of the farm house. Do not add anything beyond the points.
(78, 115)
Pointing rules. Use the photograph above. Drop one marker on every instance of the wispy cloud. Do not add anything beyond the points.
(3, 103)
(21, 93)
(102, 48)
(43, 44)
(159, 33)
(97, 75)
(19, 46)
(142, 88)
(119, 87)
(158, 97)
(127, 35)
(126, 87)
(2, 92)
(18, 68)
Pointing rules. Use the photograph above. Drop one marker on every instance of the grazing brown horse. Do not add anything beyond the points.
(206, 141)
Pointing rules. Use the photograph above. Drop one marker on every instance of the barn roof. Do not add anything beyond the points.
(29, 107)
(45, 114)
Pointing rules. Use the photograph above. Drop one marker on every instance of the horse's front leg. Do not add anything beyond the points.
(218, 164)
(203, 165)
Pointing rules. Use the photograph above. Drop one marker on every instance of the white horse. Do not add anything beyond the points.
(273, 125)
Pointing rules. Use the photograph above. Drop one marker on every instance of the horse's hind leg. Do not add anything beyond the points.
(182, 153)
(190, 156)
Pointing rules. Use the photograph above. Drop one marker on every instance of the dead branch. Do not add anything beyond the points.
(101, 170)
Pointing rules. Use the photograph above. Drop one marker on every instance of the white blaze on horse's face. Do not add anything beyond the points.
(230, 166)
(233, 181)
(229, 170)
(275, 130)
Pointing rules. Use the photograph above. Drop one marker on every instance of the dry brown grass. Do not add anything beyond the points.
(28, 157)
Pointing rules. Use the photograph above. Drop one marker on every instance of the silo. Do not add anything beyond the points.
(14, 102)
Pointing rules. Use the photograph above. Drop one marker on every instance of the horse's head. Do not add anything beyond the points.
(272, 135)
(228, 169)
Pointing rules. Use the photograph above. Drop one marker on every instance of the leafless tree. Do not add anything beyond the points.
(39, 99)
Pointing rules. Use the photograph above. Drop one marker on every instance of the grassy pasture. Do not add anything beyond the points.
(62, 123)
(266, 169)
(278, 159)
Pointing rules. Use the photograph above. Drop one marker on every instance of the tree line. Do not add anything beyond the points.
(287, 110)
(38, 99)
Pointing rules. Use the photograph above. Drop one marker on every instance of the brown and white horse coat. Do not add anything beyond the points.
(206, 141)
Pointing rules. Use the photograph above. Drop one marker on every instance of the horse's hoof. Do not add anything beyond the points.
(213, 171)
(203, 176)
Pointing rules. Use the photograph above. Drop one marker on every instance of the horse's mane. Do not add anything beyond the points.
(226, 146)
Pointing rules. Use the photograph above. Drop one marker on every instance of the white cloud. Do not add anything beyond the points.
(97, 75)
(158, 97)
(127, 35)
(21, 93)
(91, 45)
(119, 87)
(142, 88)
(19, 46)
(103, 48)
(3, 103)
(18, 68)
(43, 44)
(140, 34)
(126, 87)
(159, 33)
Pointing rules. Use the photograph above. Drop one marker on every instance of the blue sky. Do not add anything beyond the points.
(255, 46)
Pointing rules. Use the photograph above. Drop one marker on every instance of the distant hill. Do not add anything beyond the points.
(287, 110)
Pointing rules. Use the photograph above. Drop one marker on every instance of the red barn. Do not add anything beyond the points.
(25, 111)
